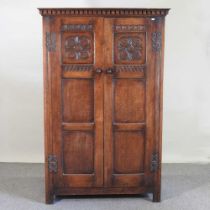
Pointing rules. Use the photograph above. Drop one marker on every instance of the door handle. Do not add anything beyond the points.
(98, 71)
(110, 71)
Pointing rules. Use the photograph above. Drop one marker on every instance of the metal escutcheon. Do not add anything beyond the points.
(110, 71)
(98, 70)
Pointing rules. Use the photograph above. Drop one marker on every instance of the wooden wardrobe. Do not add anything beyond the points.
(103, 79)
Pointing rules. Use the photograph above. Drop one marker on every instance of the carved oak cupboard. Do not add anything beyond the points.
(103, 71)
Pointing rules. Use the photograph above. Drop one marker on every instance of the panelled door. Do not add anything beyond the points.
(102, 102)
(77, 100)
(128, 102)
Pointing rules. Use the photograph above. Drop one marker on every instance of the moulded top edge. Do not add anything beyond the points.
(145, 12)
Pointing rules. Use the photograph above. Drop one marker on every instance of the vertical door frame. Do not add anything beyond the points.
(108, 101)
(158, 42)
(49, 47)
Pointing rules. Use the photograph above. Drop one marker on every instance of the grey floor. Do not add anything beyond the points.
(184, 186)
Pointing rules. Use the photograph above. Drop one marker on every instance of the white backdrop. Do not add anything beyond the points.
(186, 130)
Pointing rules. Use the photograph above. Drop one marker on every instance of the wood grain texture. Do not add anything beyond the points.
(103, 83)
(128, 152)
(159, 27)
(75, 107)
(49, 189)
(127, 107)
(78, 152)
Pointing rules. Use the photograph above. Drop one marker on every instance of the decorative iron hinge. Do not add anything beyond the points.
(154, 162)
(51, 41)
(52, 163)
(156, 41)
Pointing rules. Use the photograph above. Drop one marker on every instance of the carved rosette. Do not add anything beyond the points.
(129, 48)
(78, 47)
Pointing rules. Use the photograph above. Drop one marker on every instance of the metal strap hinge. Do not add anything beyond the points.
(156, 41)
(154, 162)
(51, 41)
(52, 163)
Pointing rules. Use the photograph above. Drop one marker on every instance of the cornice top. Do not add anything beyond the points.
(105, 12)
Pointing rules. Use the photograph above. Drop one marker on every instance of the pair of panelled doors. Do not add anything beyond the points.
(103, 84)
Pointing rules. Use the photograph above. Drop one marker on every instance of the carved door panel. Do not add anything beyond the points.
(77, 100)
(128, 103)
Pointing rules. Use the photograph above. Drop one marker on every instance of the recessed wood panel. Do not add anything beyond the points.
(129, 100)
(128, 152)
(78, 100)
(78, 152)
(129, 180)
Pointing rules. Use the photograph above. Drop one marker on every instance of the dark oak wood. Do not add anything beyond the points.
(103, 75)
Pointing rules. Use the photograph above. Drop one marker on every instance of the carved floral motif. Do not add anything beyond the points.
(129, 48)
(78, 47)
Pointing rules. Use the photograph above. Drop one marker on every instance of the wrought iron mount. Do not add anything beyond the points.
(51, 41)
(154, 162)
(156, 41)
(52, 164)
